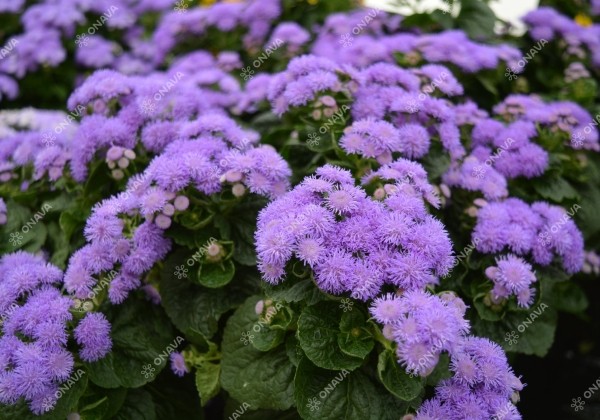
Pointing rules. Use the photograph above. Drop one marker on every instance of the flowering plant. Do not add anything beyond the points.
(281, 210)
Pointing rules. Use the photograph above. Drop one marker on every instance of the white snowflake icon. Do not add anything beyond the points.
(48, 404)
(181, 271)
(577, 404)
(346, 40)
(577, 140)
(313, 404)
(247, 73)
(511, 337)
(412, 106)
(181, 6)
(82, 40)
(48, 139)
(15, 239)
(510, 73)
(313, 139)
(346, 305)
(147, 106)
(247, 338)
(544, 238)
(148, 371)
(478, 172)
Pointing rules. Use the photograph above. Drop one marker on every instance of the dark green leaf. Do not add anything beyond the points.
(141, 333)
(395, 378)
(262, 380)
(216, 275)
(318, 329)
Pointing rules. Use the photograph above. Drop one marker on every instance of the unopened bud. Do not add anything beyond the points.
(238, 190)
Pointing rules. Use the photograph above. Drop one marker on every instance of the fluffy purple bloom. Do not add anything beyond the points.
(178, 365)
(93, 335)
(512, 276)
(353, 243)
(423, 325)
(481, 388)
(371, 139)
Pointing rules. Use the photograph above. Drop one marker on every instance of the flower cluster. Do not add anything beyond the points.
(547, 23)
(540, 229)
(512, 276)
(483, 385)
(34, 359)
(210, 155)
(423, 325)
(353, 243)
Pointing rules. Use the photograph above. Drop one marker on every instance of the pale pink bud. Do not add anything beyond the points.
(181, 202)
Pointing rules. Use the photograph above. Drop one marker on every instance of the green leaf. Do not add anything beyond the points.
(318, 329)
(101, 403)
(216, 275)
(335, 395)
(269, 329)
(192, 308)
(293, 350)
(141, 333)
(556, 189)
(263, 380)
(294, 291)
(568, 297)
(477, 19)
(354, 338)
(395, 378)
(137, 406)
(535, 329)
(207, 381)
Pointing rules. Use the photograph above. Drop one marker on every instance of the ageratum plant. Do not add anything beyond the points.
(282, 210)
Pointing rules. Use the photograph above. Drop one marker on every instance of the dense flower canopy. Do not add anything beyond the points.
(268, 194)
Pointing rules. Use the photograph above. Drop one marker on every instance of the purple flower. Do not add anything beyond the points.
(178, 365)
(352, 242)
(93, 335)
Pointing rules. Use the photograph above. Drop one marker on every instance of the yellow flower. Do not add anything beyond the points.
(583, 20)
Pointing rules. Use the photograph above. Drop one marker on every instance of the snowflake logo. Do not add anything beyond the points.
(82, 40)
(313, 404)
(577, 404)
(313, 139)
(48, 404)
(48, 139)
(346, 305)
(510, 73)
(577, 140)
(478, 172)
(148, 371)
(181, 271)
(544, 238)
(346, 40)
(511, 338)
(15, 239)
(148, 106)
(181, 6)
(247, 73)
(412, 106)
(247, 338)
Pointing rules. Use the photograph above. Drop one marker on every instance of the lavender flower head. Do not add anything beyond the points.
(352, 242)
(422, 325)
(512, 276)
(36, 319)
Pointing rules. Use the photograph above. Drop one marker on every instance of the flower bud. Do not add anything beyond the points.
(181, 202)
